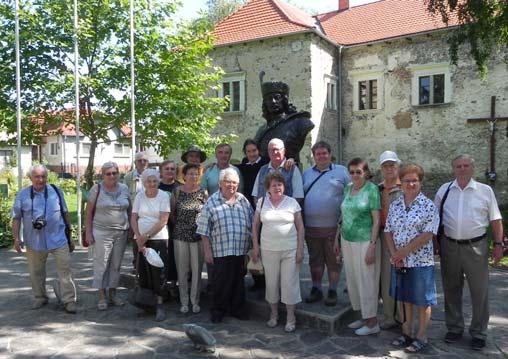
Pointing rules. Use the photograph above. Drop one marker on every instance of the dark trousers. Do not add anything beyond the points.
(228, 289)
(151, 277)
(171, 273)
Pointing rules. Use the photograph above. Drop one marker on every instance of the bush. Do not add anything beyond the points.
(5, 223)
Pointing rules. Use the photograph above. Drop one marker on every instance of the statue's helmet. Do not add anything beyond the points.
(274, 87)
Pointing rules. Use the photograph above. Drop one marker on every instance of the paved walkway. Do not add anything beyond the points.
(127, 333)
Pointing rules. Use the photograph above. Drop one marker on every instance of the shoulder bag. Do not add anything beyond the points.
(68, 228)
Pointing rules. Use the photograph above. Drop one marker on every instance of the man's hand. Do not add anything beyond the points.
(289, 164)
(497, 253)
(254, 255)
(299, 255)
(208, 256)
(336, 248)
(18, 245)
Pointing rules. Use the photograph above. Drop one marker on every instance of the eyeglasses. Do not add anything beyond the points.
(234, 183)
(110, 173)
(410, 181)
(357, 172)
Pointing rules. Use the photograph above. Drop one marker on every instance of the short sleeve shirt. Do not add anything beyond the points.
(149, 209)
(279, 231)
(111, 207)
(356, 212)
(406, 223)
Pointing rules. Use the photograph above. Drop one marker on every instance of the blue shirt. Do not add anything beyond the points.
(50, 237)
(210, 179)
(322, 202)
(228, 226)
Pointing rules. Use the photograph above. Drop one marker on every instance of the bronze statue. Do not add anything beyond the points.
(282, 120)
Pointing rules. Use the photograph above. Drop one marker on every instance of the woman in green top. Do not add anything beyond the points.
(360, 227)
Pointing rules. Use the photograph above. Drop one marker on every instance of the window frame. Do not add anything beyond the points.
(430, 70)
(368, 76)
(53, 145)
(331, 96)
(230, 78)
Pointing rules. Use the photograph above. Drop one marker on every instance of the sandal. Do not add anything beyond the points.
(102, 304)
(416, 346)
(290, 327)
(403, 341)
(115, 301)
(272, 323)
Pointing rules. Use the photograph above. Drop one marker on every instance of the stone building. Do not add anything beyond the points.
(374, 77)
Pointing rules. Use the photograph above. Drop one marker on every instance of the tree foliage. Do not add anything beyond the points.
(175, 79)
(484, 27)
(220, 9)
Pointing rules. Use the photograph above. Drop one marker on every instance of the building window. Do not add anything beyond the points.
(5, 157)
(233, 88)
(122, 149)
(53, 149)
(431, 85)
(85, 149)
(331, 95)
(367, 95)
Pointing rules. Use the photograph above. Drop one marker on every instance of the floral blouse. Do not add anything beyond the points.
(406, 223)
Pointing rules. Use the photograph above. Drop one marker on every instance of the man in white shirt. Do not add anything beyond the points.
(293, 177)
(469, 207)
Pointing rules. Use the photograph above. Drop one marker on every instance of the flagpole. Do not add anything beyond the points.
(18, 94)
(77, 109)
(133, 105)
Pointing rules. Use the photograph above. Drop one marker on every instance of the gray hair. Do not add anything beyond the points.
(276, 141)
(228, 172)
(463, 156)
(150, 172)
(36, 167)
(107, 165)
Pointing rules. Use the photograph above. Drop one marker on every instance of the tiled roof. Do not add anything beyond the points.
(260, 19)
(371, 22)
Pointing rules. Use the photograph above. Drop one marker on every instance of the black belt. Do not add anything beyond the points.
(467, 241)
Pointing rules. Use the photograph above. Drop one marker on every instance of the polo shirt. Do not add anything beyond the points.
(210, 179)
(467, 212)
(322, 202)
(296, 181)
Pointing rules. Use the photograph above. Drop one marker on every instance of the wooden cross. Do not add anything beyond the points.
(492, 120)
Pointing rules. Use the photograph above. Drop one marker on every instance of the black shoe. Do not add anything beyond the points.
(160, 314)
(241, 316)
(451, 337)
(331, 299)
(216, 317)
(477, 344)
(315, 295)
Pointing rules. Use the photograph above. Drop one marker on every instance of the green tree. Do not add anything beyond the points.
(175, 79)
(219, 9)
(484, 27)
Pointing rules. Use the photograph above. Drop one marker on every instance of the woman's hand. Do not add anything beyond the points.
(370, 256)
(299, 255)
(254, 255)
(89, 238)
(398, 256)
(336, 248)
(140, 241)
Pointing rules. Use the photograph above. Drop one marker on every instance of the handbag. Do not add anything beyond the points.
(68, 228)
(140, 297)
(84, 242)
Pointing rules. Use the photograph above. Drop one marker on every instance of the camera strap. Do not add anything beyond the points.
(32, 196)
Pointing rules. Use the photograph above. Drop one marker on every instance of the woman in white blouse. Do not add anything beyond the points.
(149, 220)
(281, 247)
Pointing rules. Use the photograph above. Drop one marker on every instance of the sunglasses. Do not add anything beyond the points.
(357, 172)
(110, 173)
(411, 181)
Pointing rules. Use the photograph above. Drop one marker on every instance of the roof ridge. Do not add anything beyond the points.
(277, 3)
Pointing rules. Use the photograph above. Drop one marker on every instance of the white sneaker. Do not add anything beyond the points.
(196, 308)
(365, 330)
(184, 309)
(356, 324)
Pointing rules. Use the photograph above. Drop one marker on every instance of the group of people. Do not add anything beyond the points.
(383, 233)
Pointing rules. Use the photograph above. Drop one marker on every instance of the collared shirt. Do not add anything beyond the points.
(388, 195)
(296, 181)
(322, 202)
(133, 180)
(254, 162)
(210, 179)
(50, 237)
(228, 226)
(467, 212)
(406, 223)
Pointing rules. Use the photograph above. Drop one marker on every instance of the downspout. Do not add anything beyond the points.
(339, 105)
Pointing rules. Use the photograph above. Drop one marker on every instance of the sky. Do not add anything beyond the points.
(190, 8)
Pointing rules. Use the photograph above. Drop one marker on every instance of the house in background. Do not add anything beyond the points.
(8, 155)
(374, 77)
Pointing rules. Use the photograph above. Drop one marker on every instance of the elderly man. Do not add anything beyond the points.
(293, 177)
(323, 185)
(133, 178)
(225, 226)
(390, 189)
(38, 207)
(210, 179)
(468, 209)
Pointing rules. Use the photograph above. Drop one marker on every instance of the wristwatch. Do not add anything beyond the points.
(498, 244)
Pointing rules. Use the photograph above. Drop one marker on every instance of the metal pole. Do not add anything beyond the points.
(18, 94)
(77, 111)
(133, 105)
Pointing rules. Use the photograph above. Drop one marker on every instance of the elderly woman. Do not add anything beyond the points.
(281, 247)
(149, 219)
(412, 221)
(359, 231)
(187, 202)
(107, 222)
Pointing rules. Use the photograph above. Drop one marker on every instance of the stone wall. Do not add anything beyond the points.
(428, 135)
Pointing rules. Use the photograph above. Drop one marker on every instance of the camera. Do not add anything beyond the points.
(39, 223)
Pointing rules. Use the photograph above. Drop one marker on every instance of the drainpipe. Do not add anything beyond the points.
(339, 105)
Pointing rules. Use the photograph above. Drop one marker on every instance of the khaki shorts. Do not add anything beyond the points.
(320, 245)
